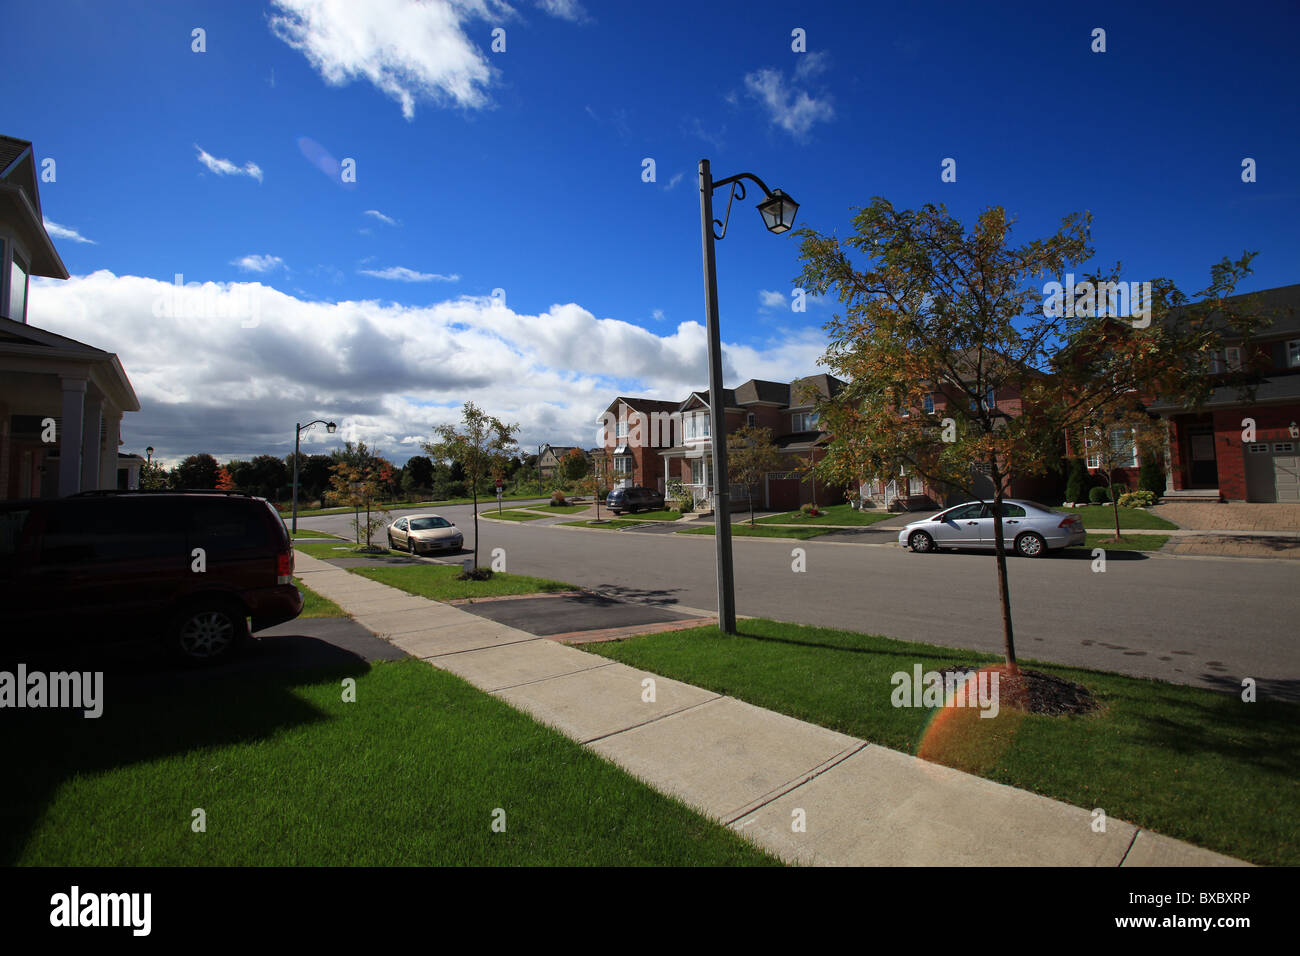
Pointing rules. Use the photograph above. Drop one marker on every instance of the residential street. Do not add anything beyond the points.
(1208, 622)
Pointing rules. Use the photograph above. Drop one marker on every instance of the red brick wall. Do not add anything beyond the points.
(1272, 423)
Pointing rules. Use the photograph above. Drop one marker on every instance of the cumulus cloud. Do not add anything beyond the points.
(386, 371)
(409, 51)
(403, 274)
(256, 263)
(224, 167)
(793, 109)
(564, 9)
(386, 220)
(771, 299)
(65, 232)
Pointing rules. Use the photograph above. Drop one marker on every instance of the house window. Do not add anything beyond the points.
(701, 473)
(696, 425)
(1123, 450)
(803, 422)
(1093, 461)
(750, 420)
(1293, 353)
(988, 401)
(1225, 360)
(18, 291)
(1233, 356)
(927, 404)
(623, 465)
(622, 428)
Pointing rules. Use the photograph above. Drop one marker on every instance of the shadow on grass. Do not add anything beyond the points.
(152, 709)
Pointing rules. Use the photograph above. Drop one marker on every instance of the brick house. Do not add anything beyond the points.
(548, 461)
(1207, 455)
(653, 441)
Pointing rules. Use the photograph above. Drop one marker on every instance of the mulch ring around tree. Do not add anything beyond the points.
(1034, 692)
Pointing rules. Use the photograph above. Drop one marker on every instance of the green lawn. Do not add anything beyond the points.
(1193, 764)
(661, 514)
(563, 509)
(304, 533)
(329, 548)
(438, 582)
(508, 515)
(834, 514)
(288, 774)
(1102, 518)
(759, 531)
(605, 524)
(1130, 542)
(316, 606)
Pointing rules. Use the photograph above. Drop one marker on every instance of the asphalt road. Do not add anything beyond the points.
(1209, 622)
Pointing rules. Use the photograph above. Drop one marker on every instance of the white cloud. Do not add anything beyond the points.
(386, 220)
(677, 178)
(407, 50)
(657, 315)
(811, 64)
(65, 232)
(770, 299)
(224, 167)
(387, 371)
(257, 263)
(793, 109)
(403, 274)
(564, 9)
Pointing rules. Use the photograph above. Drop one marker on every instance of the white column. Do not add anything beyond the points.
(74, 396)
(108, 457)
(91, 450)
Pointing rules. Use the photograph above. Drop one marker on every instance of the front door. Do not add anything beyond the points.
(961, 526)
(1204, 471)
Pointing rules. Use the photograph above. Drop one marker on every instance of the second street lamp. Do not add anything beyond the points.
(778, 212)
(329, 427)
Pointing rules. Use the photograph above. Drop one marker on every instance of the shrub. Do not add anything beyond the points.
(1137, 499)
(558, 499)
(1099, 495)
(685, 506)
(1119, 489)
(1077, 480)
(475, 574)
(1151, 476)
(810, 510)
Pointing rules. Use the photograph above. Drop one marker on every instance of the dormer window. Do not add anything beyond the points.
(803, 422)
(1293, 354)
(18, 290)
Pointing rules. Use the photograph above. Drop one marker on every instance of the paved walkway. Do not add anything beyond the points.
(1232, 516)
(749, 768)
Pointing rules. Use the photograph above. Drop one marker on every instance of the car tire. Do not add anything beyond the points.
(390, 543)
(1031, 544)
(208, 631)
(921, 543)
(410, 546)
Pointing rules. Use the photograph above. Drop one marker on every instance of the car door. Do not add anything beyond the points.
(1014, 520)
(959, 527)
(399, 532)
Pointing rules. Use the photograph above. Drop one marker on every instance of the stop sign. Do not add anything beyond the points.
(499, 482)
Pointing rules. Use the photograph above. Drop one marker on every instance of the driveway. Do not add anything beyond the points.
(1231, 516)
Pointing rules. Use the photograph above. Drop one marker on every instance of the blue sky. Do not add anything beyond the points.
(522, 171)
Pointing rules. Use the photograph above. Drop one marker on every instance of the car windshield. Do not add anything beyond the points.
(428, 524)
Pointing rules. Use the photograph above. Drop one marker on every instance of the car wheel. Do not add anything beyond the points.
(920, 542)
(410, 546)
(390, 543)
(209, 632)
(1031, 545)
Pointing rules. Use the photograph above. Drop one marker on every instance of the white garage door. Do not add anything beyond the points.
(1273, 472)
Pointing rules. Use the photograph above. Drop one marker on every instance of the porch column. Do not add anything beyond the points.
(1169, 462)
(74, 397)
(108, 457)
(91, 447)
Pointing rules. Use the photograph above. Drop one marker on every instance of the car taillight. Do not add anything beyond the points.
(1068, 520)
(283, 567)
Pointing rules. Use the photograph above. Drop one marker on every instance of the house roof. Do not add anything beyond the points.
(1284, 388)
(645, 404)
(20, 207)
(758, 390)
(826, 386)
(28, 348)
(728, 399)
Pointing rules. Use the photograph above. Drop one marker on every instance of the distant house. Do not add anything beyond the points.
(44, 377)
(548, 462)
(654, 441)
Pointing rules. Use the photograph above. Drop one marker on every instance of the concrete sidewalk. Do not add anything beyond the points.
(749, 768)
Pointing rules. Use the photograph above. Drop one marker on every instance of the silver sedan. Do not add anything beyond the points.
(420, 534)
(1028, 529)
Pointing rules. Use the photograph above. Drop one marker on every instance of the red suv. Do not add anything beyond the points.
(189, 568)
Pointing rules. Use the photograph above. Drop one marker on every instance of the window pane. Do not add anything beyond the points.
(17, 291)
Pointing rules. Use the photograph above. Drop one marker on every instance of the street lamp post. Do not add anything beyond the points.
(778, 212)
(297, 435)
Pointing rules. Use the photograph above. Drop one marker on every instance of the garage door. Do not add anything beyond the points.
(783, 494)
(1273, 472)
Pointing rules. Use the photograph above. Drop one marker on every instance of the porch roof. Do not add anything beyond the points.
(1284, 388)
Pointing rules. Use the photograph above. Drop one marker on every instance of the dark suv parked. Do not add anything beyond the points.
(102, 565)
(634, 499)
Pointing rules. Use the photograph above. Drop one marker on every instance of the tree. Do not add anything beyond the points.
(196, 471)
(951, 320)
(751, 455)
(153, 477)
(420, 469)
(1113, 436)
(1077, 482)
(267, 474)
(224, 481)
(574, 466)
(480, 446)
(598, 480)
(357, 480)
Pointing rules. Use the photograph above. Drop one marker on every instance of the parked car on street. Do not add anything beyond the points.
(421, 534)
(188, 568)
(634, 499)
(1028, 528)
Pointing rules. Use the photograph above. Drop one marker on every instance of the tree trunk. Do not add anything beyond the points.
(474, 492)
(1114, 504)
(1004, 588)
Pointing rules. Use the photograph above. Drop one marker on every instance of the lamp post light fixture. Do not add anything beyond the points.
(297, 435)
(778, 212)
(149, 453)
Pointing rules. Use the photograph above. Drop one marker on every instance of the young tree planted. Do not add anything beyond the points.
(750, 456)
